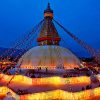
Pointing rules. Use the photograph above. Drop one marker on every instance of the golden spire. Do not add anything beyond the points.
(48, 12)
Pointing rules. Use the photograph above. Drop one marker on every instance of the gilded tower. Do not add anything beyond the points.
(48, 34)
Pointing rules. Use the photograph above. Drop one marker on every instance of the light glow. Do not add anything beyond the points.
(55, 94)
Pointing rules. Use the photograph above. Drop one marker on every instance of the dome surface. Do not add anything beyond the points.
(50, 57)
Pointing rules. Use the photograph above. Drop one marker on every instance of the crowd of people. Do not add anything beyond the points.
(22, 92)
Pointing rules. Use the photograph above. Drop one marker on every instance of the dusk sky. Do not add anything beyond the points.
(81, 17)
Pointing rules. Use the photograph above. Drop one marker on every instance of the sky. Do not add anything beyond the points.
(81, 17)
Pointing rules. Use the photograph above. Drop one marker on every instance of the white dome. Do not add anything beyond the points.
(50, 57)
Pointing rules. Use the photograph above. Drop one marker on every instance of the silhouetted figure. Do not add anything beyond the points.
(88, 87)
(39, 68)
(32, 75)
(83, 88)
(46, 69)
(22, 92)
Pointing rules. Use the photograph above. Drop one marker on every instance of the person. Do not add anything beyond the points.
(46, 69)
(9, 96)
(32, 75)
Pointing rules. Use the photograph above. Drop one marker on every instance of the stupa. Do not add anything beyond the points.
(51, 60)
(49, 54)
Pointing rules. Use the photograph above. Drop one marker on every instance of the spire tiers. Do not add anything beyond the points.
(48, 12)
(48, 33)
